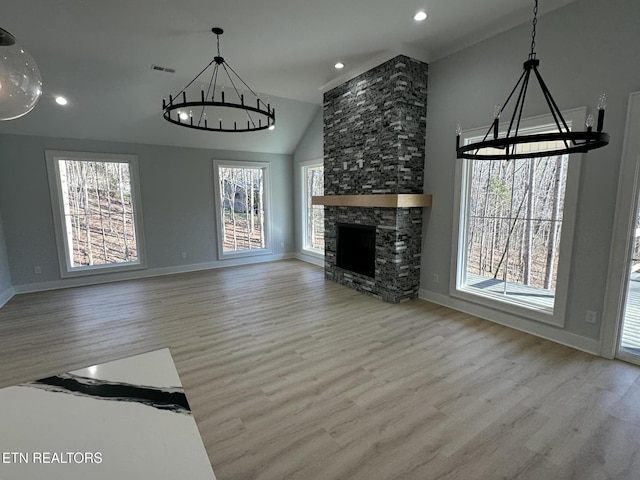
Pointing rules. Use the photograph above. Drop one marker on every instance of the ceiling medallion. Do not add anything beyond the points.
(558, 142)
(239, 109)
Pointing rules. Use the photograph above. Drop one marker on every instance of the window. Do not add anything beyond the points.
(515, 230)
(241, 191)
(95, 202)
(312, 215)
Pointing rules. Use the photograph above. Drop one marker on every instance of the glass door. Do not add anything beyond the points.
(620, 333)
(630, 332)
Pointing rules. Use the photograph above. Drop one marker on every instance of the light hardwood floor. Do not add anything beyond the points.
(292, 376)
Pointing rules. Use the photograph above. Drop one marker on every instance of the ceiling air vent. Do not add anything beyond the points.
(163, 69)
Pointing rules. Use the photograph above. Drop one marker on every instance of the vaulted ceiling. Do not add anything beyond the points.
(99, 55)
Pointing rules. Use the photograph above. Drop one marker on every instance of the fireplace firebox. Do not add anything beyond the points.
(356, 248)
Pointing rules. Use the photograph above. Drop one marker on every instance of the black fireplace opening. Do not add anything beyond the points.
(356, 248)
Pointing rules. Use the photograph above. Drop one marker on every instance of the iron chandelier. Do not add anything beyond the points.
(557, 142)
(243, 110)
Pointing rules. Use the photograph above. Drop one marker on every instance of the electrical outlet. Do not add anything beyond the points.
(591, 317)
(37, 270)
(436, 278)
(183, 255)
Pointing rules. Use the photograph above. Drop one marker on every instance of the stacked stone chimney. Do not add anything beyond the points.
(374, 143)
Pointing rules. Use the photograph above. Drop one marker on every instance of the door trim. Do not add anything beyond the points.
(623, 226)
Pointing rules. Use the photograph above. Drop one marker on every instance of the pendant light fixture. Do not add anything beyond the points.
(236, 109)
(560, 141)
(20, 80)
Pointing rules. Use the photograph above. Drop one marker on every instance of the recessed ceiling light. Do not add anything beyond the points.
(61, 100)
(420, 16)
(339, 65)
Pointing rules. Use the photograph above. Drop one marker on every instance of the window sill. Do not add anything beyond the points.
(102, 269)
(313, 252)
(245, 253)
(497, 302)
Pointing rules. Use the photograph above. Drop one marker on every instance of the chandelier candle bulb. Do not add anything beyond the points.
(458, 133)
(602, 102)
(496, 119)
(602, 105)
(590, 122)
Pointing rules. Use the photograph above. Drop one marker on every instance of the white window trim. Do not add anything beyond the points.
(57, 207)
(222, 255)
(555, 317)
(314, 252)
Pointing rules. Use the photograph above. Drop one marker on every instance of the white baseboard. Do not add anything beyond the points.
(136, 274)
(547, 332)
(6, 295)
(310, 259)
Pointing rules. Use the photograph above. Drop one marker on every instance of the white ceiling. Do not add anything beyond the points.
(99, 54)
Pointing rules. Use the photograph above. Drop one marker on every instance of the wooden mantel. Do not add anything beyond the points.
(394, 200)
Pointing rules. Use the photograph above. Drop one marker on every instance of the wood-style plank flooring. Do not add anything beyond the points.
(291, 376)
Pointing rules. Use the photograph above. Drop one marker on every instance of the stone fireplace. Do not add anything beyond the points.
(374, 144)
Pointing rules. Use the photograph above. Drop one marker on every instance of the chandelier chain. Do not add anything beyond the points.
(533, 31)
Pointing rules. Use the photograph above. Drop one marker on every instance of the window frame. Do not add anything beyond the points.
(57, 206)
(265, 166)
(462, 188)
(304, 167)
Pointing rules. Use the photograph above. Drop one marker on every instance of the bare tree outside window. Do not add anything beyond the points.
(98, 217)
(242, 208)
(514, 223)
(314, 214)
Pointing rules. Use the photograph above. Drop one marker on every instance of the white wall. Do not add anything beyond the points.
(177, 201)
(586, 48)
(309, 148)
